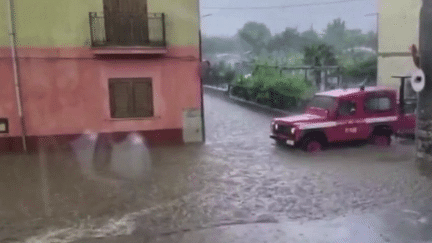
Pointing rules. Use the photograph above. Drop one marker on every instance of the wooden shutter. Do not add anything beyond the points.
(133, 6)
(112, 28)
(143, 98)
(139, 33)
(120, 93)
(126, 21)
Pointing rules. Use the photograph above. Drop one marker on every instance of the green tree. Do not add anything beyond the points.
(318, 56)
(335, 33)
(286, 41)
(257, 35)
(354, 38)
(310, 37)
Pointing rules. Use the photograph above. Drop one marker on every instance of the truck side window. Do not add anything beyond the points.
(378, 104)
(347, 108)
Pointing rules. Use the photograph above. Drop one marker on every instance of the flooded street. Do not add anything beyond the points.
(238, 176)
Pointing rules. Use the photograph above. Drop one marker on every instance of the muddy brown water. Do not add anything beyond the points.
(239, 175)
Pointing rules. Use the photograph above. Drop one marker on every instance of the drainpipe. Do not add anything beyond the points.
(201, 78)
(202, 89)
(12, 40)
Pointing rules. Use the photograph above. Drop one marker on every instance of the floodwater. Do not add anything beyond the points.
(238, 176)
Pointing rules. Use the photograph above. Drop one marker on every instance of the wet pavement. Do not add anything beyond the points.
(238, 177)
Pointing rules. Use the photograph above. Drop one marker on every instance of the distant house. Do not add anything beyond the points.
(362, 49)
(398, 29)
(111, 66)
(229, 58)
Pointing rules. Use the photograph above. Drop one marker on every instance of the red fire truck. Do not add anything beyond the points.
(364, 113)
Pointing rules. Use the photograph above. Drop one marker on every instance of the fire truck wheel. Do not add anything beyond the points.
(381, 140)
(311, 145)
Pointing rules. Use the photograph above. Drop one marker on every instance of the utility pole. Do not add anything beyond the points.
(424, 107)
(377, 27)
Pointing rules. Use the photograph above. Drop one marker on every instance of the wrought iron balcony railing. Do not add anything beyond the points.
(125, 29)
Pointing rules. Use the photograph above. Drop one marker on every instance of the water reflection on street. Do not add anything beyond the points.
(238, 176)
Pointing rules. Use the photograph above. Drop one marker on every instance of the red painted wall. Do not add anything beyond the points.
(65, 90)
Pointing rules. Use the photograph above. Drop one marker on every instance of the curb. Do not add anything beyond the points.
(215, 88)
(222, 91)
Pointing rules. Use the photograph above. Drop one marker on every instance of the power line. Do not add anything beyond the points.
(283, 6)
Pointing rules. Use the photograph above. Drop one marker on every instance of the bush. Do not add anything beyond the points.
(241, 86)
(268, 87)
(220, 73)
(365, 68)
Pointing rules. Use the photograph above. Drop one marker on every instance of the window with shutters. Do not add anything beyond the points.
(131, 97)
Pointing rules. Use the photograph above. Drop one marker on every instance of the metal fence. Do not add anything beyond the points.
(125, 29)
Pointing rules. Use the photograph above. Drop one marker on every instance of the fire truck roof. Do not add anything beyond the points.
(352, 91)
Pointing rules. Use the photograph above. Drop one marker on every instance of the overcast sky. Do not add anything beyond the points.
(226, 22)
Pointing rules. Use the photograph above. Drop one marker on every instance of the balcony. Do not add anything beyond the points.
(125, 33)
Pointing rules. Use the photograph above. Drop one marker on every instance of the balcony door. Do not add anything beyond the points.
(126, 22)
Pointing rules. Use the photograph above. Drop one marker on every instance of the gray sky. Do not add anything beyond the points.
(227, 22)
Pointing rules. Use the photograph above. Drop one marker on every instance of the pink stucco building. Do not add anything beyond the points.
(108, 66)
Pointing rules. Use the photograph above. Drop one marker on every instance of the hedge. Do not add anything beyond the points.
(268, 87)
